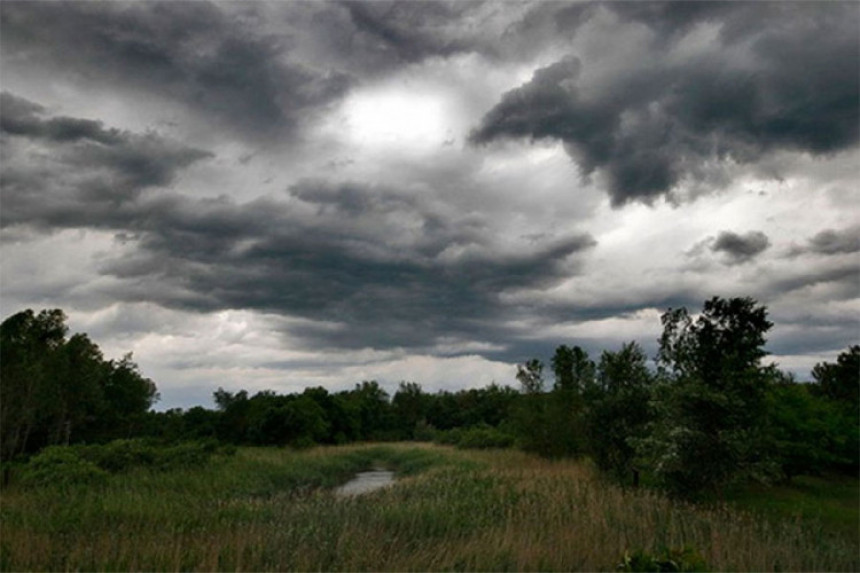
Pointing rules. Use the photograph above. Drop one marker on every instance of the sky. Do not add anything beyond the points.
(288, 194)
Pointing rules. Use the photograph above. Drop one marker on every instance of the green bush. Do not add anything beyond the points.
(449, 437)
(475, 437)
(424, 432)
(668, 560)
(61, 466)
(119, 455)
(484, 436)
(93, 463)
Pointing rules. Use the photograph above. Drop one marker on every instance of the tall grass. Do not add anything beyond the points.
(267, 509)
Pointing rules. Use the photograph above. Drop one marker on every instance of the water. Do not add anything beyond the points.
(365, 482)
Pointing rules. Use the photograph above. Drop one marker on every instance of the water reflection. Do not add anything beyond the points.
(365, 482)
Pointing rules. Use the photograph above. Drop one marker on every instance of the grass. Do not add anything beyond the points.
(831, 501)
(270, 509)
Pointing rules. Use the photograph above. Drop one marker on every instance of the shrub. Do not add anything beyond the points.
(93, 463)
(668, 560)
(424, 432)
(484, 436)
(61, 466)
(449, 437)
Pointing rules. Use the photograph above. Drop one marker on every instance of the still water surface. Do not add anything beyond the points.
(365, 482)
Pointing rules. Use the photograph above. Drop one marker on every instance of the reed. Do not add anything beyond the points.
(269, 509)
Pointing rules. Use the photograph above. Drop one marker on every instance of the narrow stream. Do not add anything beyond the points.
(365, 482)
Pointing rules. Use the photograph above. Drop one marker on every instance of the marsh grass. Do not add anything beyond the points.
(268, 509)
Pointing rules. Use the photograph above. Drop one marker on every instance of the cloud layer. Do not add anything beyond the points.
(648, 128)
(278, 194)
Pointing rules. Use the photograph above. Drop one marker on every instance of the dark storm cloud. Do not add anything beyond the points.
(740, 248)
(408, 31)
(392, 269)
(190, 52)
(781, 77)
(19, 116)
(357, 272)
(65, 172)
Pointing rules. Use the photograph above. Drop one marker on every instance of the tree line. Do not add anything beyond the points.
(59, 390)
(709, 413)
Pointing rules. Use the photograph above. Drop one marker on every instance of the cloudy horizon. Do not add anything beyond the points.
(274, 195)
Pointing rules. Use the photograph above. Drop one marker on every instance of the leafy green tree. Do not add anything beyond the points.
(28, 347)
(58, 391)
(410, 406)
(840, 382)
(574, 379)
(710, 405)
(374, 410)
(127, 395)
(530, 376)
(234, 420)
(82, 402)
(574, 370)
(340, 415)
(809, 433)
(529, 415)
(618, 410)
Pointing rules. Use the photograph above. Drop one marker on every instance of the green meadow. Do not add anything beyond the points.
(268, 509)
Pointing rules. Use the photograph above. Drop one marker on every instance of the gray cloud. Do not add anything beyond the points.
(836, 241)
(393, 269)
(63, 171)
(384, 290)
(190, 52)
(410, 31)
(792, 84)
(740, 248)
(829, 242)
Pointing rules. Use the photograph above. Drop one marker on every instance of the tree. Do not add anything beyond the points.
(58, 391)
(128, 396)
(530, 376)
(808, 433)
(618, 409)
(531, 423)
(574, 371)
(710, 403)
(410, 408)
(840, 382)
(374, 410)
(574, 378)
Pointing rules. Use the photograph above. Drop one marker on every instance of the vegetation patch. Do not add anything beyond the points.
(269, 509)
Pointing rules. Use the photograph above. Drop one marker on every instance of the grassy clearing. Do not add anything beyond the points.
(832, 502)
(267, 509)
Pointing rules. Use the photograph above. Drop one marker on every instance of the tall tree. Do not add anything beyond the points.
(410, 407)
(618, 410)
(710, 404)
(28, 348)
(54, 390)
(840, 382)
(574, 379)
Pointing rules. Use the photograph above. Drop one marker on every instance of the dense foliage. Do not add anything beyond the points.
(709, 415)
(56, 390)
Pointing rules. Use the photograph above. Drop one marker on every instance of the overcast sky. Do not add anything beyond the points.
(289, 194)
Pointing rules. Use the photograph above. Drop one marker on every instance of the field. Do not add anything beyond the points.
(500, 510)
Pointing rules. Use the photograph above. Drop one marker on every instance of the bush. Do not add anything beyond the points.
(476, 437)
(668, 560)
(92, 464)
(484, 436)
(424, 432)
(61, 466)
(449, 437)
(119, 455)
